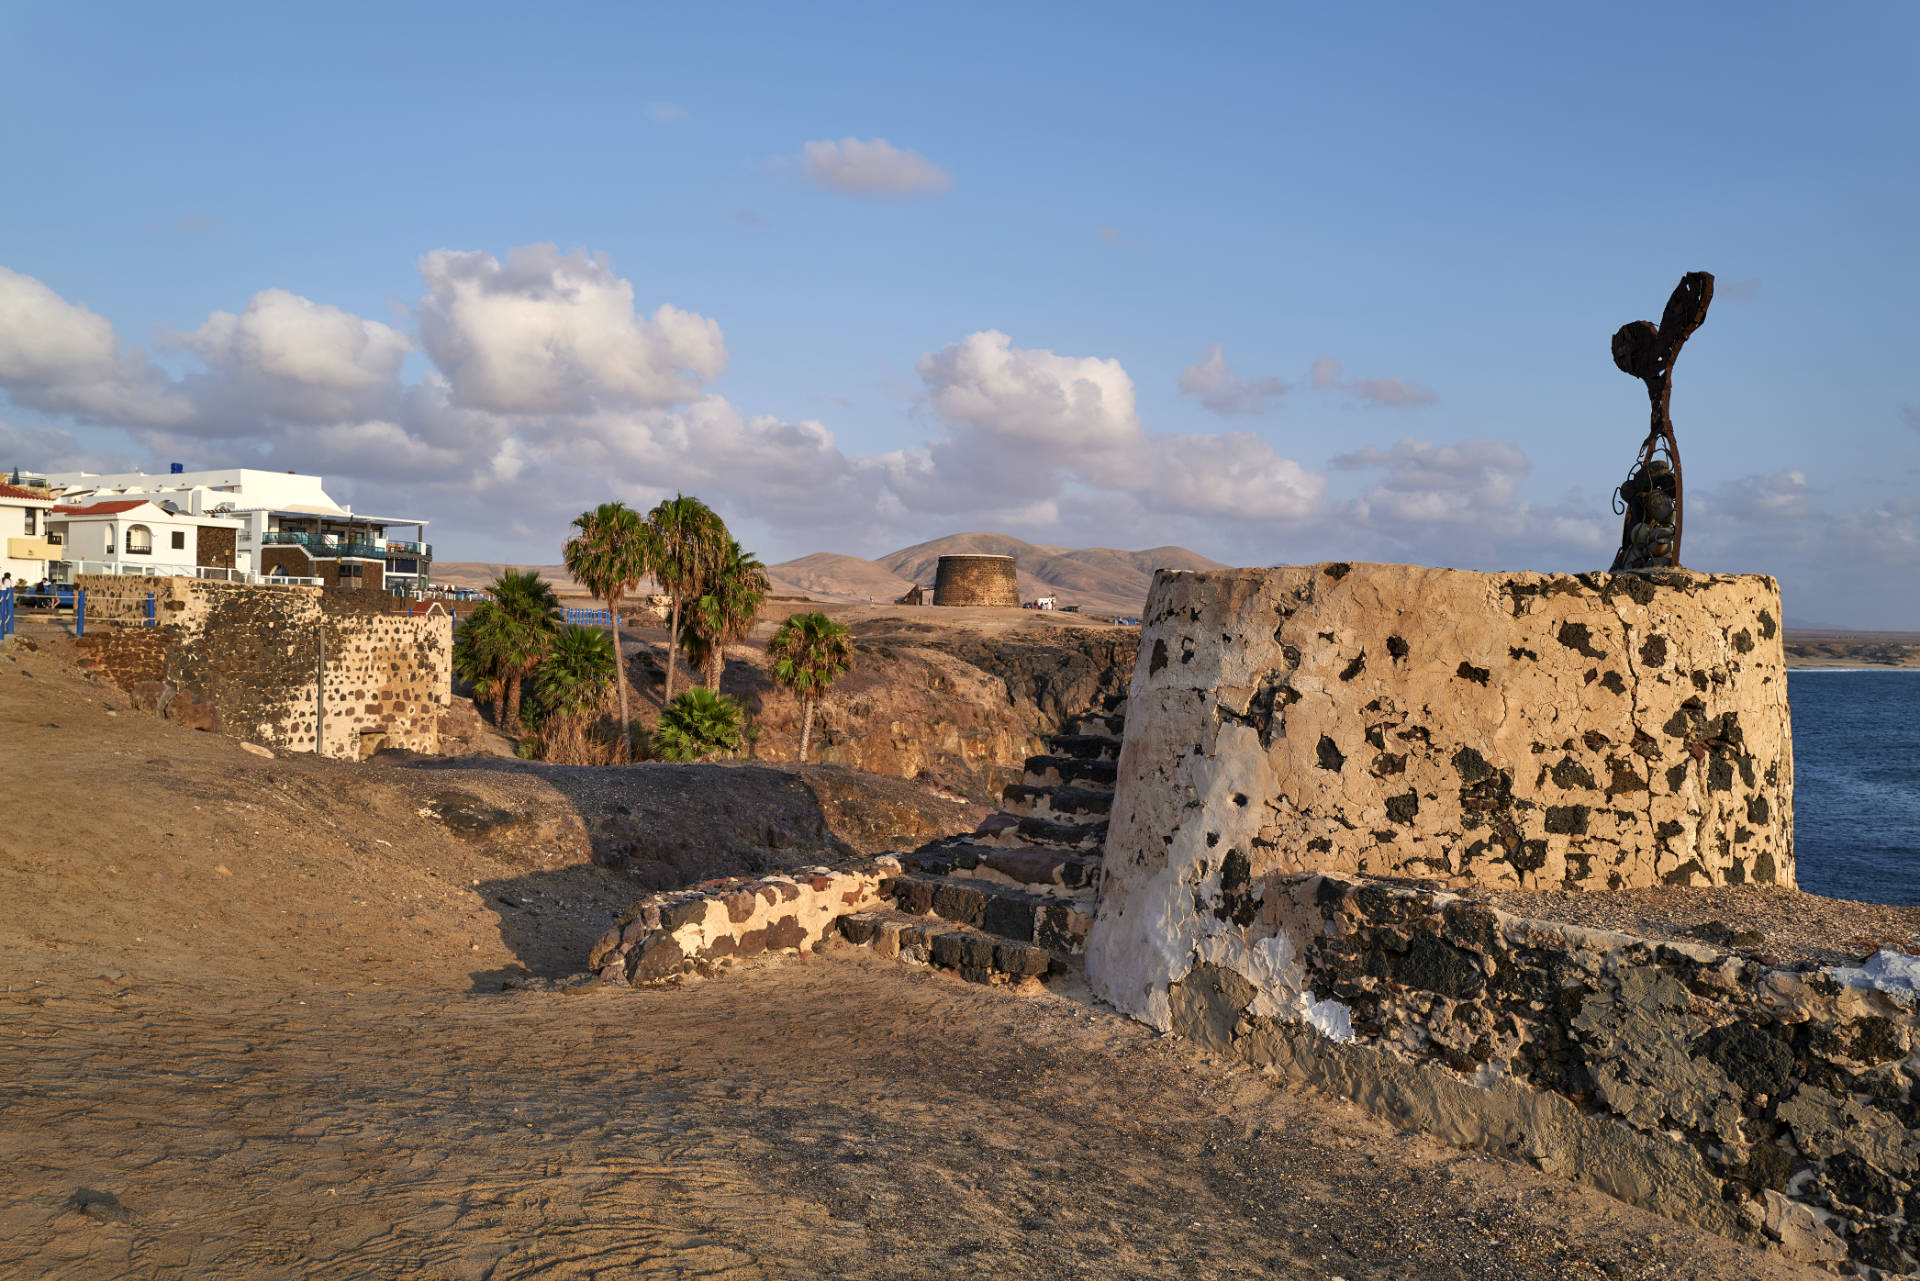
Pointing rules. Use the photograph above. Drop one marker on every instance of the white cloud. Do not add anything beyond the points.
(1390, 391)
(1055, 404)
(1023, 423)
(1462, 504)
(1383, 392)
(666, 113)
(58, 356)
(873, 167)
(1224, 391)
(556, 333)
(289, 358)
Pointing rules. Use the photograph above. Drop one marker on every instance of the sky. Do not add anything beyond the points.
(1276, 283)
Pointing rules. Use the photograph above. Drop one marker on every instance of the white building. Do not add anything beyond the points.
(24, 548)
(286, 525)
(140, 535)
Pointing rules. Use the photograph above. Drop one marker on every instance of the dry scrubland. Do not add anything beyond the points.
(254, 1027)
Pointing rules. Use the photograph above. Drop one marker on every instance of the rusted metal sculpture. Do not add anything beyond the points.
(1649, 501)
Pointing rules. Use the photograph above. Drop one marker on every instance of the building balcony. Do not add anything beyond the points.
(333, 546)
(401, 547)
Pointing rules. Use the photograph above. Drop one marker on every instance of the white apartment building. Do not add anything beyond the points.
(24, 548)
(285, 524)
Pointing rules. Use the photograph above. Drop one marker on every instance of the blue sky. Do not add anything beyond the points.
(1457, 207)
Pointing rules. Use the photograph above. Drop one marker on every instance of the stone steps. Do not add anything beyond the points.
(1056, 924)
(1011, 831)
(1061, 804)
(1108, 726)
(1085, 747)
(973, 954)
(1054, 873)
(1068, 771)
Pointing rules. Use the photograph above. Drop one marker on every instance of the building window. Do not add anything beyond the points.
(179, 540)
(31, 514)
(109, 540)
(139, 540)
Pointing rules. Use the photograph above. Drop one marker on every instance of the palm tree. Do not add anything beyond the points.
(571, 685)
(573, 678)
(690, 539)
(698, 726)
(527, 618)
(808, 652)
(613, 550)
(724, 613)
(479, 651)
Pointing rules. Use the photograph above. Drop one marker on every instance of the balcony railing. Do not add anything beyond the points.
(325, 544)
(336, 545)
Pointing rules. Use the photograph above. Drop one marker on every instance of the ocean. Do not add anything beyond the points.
(1856, 783)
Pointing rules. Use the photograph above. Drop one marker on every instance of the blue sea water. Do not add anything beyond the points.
(1856, 783)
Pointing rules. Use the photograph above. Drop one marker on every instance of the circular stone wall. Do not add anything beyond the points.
(976, 580)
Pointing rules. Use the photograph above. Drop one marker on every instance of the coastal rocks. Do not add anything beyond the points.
(1769, 1105)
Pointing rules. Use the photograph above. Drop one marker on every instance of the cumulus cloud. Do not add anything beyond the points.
(59, 356)
(1223, 391)
(1026, 422)
(292, 359)
(547, 332)
(1383, 392)
(666, 113)
(872, 167)
(1464, 501)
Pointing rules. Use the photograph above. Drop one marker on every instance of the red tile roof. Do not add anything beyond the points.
(14, 491)
(101, 509)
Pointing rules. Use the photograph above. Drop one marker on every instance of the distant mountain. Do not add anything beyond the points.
(829, 576)
(1095, 578)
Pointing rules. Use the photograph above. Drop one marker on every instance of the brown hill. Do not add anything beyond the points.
(1095, 578)
(1100, 579)
(829, 576)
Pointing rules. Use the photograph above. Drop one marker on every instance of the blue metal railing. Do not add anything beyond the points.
(325, 544)
(589, 618)
(6, 613)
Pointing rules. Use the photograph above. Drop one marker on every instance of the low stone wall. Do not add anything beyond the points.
(248, 658)
(715, 923)
(1769, 1105)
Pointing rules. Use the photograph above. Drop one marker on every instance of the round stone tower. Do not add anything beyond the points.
(976, 580)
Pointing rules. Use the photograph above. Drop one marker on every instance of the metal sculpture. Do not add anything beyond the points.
(1649, 501)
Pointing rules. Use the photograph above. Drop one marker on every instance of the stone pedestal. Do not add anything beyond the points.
(1596, 731)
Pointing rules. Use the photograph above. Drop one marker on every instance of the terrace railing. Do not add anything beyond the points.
(329, 545)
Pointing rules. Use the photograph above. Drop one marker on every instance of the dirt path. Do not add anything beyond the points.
(239, 1023)
(839, 1117)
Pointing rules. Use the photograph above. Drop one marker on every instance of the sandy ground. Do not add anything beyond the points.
(252, 1024)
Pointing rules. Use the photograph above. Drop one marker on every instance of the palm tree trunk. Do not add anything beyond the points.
(513, 700)
(673, 649)
(716, 664)
(806, 729)
(624, 753)
(500, 703)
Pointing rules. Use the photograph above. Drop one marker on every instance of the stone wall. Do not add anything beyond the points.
(249, 655)
(712, 925)
(214, 547)
(976, 580)
(1772, 1105)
